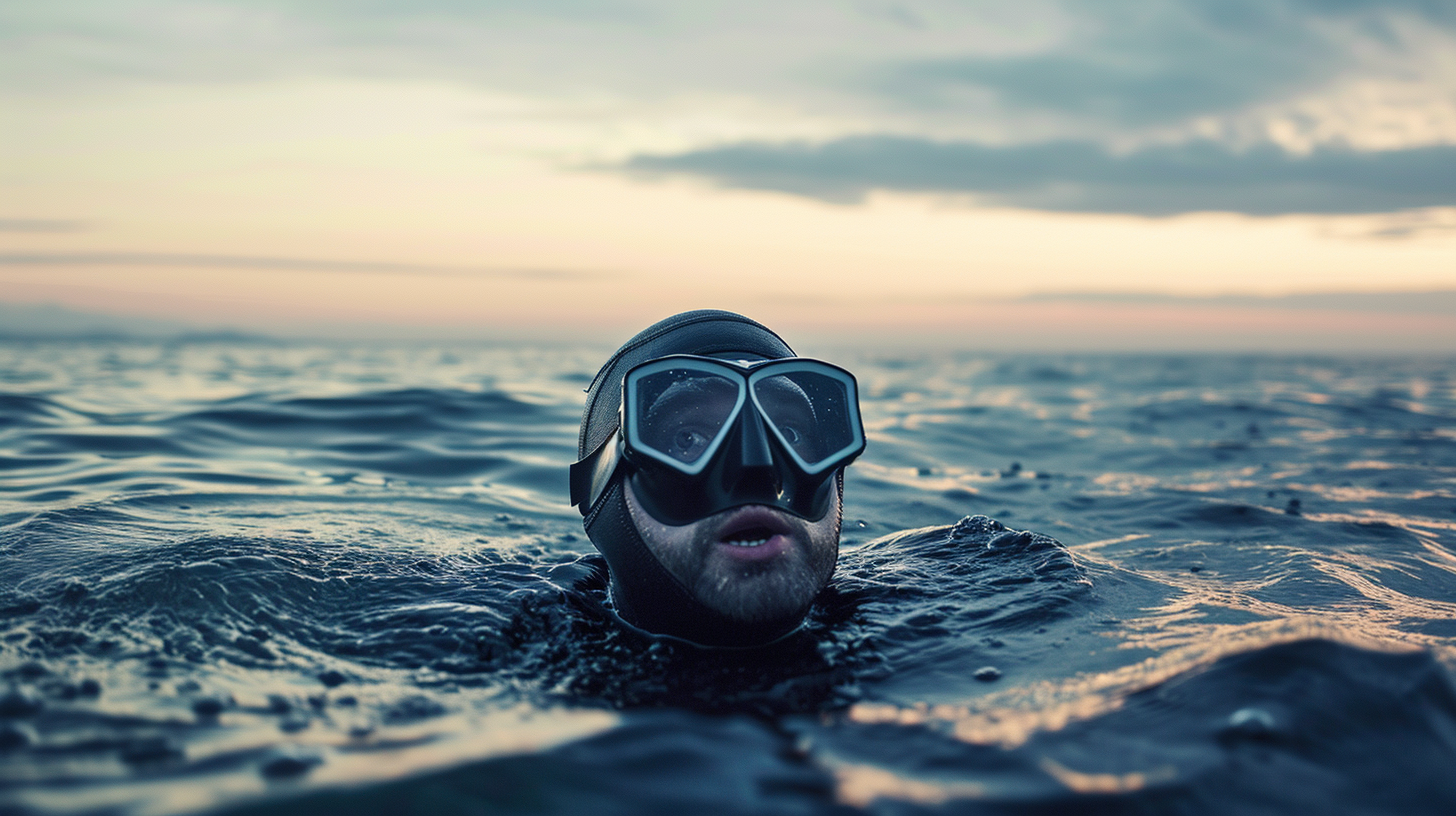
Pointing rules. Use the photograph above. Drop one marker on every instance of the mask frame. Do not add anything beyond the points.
(749, 460)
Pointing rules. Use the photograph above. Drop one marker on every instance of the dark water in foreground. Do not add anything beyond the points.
(278, 579)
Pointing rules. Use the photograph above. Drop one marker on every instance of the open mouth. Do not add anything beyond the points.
(749, 537)
(755, 532)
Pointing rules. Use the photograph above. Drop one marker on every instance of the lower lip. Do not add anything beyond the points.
(775, 546)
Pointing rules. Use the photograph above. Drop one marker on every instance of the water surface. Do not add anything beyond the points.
(289, 578)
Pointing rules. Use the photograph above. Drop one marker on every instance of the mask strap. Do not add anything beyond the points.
(589, 477)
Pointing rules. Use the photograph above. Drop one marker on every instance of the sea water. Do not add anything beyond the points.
(275, 578)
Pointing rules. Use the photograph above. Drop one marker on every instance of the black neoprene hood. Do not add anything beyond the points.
(705, 331)
(644, 592)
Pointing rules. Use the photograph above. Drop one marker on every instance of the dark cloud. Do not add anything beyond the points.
(164, 259)
(1131, 63)
(1083, 177)
(1142, 62)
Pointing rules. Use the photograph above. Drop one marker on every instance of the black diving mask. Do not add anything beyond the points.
(701, 435)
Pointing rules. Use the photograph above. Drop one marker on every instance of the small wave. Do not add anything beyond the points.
(232, 571)
(1220, 737)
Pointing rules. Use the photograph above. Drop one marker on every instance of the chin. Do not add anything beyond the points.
(761, 593)
(754, 564)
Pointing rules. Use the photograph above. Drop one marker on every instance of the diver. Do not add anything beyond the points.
(711, 477)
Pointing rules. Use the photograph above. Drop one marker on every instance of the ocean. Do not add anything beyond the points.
(272, 578)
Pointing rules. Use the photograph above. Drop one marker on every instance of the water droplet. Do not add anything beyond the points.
(1251, 722)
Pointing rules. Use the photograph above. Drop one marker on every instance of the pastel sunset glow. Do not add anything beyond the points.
(1044, 175)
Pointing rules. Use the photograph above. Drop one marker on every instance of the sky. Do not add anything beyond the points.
(1140, 174)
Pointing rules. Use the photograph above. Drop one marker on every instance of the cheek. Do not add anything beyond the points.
(668, 543)
(827, 528)
(824, 537)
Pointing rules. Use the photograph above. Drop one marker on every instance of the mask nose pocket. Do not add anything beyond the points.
(755, 473)
(702, 435)
(755, 449)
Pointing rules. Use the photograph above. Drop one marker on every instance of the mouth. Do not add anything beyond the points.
(751, 537)
(755, 532)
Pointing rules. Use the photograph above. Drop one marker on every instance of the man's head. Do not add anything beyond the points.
(711, 477)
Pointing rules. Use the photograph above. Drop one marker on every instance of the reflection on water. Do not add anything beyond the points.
(305, 578)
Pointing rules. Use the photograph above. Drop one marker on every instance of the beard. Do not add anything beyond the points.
(744, 586)
(758, 593)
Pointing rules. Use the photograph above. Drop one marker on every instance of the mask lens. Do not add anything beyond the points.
(810, 410)
(681, 412)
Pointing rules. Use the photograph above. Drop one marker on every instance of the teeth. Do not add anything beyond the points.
(756, 542)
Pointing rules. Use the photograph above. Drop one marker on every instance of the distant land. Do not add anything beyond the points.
(1333, 322)
(1434, 302)
(48, 321)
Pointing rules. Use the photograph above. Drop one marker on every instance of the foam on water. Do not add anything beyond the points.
(297, 578)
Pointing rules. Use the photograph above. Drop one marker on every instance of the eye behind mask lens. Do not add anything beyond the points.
(810, 411)
(682, 412)
(704, 435)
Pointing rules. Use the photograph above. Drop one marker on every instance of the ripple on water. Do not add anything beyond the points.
(309, 578)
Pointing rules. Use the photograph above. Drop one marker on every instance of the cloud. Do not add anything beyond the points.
(41, 225)
(1144, 62)
(921, 63)
(1011, 103)
(168, 259)
(1084, 177)
(1435, 302)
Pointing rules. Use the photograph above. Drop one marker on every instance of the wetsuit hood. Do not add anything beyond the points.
(644, 592)
(707, 332)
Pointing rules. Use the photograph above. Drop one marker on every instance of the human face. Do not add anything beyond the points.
(702, 435)
(752, 563)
